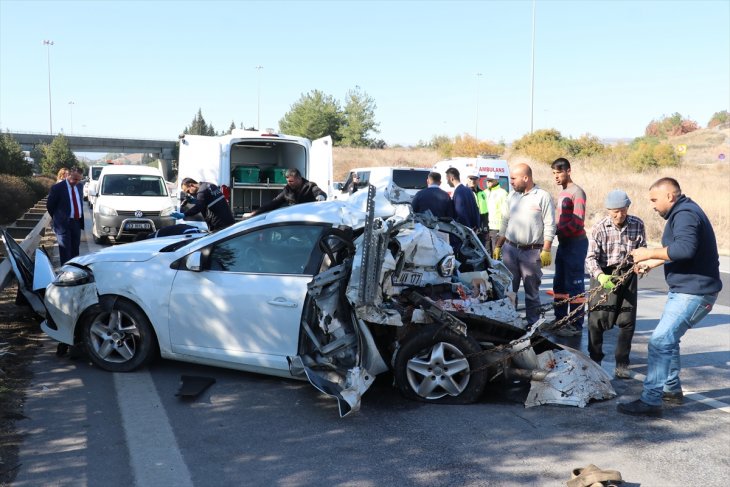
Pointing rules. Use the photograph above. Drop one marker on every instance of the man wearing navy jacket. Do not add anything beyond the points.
(65, 205)
(692, 271)
(433, 198)
(466, 210)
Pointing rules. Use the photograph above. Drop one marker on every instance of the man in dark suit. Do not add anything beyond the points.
(433, 198)
(466, 210)
(66, 208)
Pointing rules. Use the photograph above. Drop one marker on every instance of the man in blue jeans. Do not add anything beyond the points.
(692, 270)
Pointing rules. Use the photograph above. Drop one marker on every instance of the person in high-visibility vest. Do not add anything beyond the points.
(481, 197)
(496, 204)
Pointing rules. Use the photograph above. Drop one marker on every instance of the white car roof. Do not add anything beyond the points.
(131, 169)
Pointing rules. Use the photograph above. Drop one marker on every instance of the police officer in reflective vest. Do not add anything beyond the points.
(210, 201)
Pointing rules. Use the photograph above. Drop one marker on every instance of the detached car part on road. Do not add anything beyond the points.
(330, 292)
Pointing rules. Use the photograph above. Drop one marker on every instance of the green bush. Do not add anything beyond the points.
(647, 154)
(718, 118)
(548, 144)
(585, 146)
(40, 185)
(15, 198)
(672, 125)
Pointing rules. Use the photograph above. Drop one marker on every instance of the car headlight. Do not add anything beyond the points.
(167, 211)
(446, 266)
(70, 275)
(107, 211)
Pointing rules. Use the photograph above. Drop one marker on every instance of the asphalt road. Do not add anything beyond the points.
(90, 427)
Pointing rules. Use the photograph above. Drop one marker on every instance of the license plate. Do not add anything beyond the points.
(137, 226)
(408, 278)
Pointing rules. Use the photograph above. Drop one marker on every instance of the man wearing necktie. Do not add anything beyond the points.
(64, 206)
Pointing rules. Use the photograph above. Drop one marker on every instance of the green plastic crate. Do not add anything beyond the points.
(246, 174)
(273, 175)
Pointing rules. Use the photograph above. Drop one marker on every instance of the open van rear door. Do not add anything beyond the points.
(320, 164)
(200, 159)
(32, 279)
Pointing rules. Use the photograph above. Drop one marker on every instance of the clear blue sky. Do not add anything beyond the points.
(143, 68)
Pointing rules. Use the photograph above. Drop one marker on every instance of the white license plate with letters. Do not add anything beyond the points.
(407, 278)
(137, 226)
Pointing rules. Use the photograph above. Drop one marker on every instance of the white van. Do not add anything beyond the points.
(130, 200)
(249, 166)
(482, 167)
(94, 173)
(399, 184)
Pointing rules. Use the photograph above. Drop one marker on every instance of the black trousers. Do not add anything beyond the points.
(618, 310)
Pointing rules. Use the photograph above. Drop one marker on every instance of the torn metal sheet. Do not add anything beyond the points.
(573, 379)
(499, 310)
(348, 396)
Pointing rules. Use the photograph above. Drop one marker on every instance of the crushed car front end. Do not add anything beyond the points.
(396, 296)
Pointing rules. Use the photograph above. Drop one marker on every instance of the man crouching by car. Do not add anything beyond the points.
(210, 201)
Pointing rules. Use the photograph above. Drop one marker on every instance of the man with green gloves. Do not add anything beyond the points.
(527, 231)
(611, 241)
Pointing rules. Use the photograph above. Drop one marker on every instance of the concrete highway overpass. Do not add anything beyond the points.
(163, 148)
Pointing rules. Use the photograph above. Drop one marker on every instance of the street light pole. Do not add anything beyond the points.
(476, 124)
(71, 108)
(48, 45)
(532, 83)
(258, 97)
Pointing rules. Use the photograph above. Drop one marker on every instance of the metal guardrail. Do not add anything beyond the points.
(29, 243)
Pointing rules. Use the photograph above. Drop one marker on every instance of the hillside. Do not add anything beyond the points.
(708, 182)
(705, 146)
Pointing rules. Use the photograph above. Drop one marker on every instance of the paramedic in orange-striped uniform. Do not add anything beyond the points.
(572, 248)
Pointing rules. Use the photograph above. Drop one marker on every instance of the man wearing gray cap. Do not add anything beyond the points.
(611, 241)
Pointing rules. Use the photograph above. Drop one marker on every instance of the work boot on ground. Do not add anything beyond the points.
(622, 372)
(673, 397)
(639, 408)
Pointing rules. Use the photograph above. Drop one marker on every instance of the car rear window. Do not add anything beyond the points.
(410, 179)
(95, 172)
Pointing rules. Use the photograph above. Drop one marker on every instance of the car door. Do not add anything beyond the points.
(320, 164)
(245, 305)
(32, 277)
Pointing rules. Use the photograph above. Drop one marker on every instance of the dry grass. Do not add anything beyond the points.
(706, 183)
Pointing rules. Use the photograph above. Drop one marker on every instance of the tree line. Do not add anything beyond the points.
(317, 114)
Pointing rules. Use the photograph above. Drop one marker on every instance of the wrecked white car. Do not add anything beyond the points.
(324, 291)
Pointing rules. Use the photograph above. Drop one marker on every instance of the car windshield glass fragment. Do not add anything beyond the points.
(95, 172)
(133, 185)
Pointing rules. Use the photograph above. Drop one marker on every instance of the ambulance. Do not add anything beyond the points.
(483, 167)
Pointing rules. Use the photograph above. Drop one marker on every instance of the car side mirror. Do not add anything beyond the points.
(194, 262)
(92, 191)
(338, 186)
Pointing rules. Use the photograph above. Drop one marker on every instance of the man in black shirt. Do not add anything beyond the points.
(209, 201)
(297, 190)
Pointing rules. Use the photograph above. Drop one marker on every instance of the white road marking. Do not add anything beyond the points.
(694, 396)
(155, 457)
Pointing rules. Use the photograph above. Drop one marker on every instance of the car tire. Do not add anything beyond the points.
(119, 338)
(423, 361)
